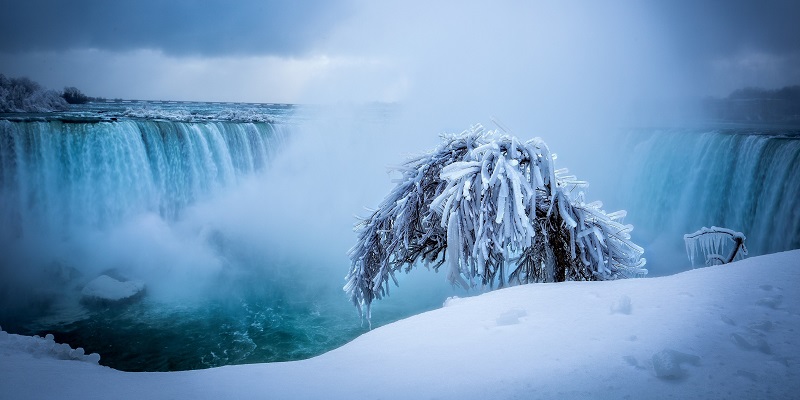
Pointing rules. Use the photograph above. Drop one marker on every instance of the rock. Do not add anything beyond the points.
(107, 290)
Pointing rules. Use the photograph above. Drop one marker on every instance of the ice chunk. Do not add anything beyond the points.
(107, 289)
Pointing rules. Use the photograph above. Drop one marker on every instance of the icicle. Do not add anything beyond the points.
(453, 252)
(485, 176)
(565, 214)
(466, 192)
(457, 170)
(538, 174)
(712, 243)
(501, 202)
(617, 215)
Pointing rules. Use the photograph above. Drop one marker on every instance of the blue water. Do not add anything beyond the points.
(175, 194)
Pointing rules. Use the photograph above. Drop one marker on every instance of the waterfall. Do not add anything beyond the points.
(56, 175)
(747, 180)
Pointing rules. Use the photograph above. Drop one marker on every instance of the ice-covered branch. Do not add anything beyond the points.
(711, 243)
(495, 211)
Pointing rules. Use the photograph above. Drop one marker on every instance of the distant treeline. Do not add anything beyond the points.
(25, 95)
(756, 105)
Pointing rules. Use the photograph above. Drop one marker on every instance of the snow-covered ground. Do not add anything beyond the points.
(723, 332)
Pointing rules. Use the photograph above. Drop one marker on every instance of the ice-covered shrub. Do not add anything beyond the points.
(496, 212)
(712, 243)
(73, 95)
(25, 95)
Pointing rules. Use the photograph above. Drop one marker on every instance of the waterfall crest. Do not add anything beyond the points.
(58, 175)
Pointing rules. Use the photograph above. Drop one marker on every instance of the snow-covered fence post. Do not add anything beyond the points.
(711, 243)
(495, 211)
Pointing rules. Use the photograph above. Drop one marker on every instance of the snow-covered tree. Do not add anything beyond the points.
(712, 243)
(73, 95)
(25, 95)
(496, 212)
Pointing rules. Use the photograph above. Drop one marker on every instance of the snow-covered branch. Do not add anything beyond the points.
(496, 211)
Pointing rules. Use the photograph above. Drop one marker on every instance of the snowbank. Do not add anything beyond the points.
(728, 331)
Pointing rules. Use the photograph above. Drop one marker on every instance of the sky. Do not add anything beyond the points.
(541, 53)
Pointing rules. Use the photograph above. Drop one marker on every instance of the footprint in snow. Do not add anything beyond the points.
(764, 326)
(772, 302)
(667, 363)
(631, 360)
(511, 317)
(727, 320)
(752, 343)
(622, 306)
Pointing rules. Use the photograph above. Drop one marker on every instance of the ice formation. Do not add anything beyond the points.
(496, 211)
(47, 347)
(107, 289)
(712, 244)
(185, 115)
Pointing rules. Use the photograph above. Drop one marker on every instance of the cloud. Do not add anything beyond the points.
(154, 75)
(180, 27)
(755, 69)
(542, 60)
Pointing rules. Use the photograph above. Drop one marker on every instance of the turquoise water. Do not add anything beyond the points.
(149, 336)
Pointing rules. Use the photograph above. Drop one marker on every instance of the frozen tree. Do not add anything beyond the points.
(712, 242)
(494, 211)
(73, 95)
(25, 95)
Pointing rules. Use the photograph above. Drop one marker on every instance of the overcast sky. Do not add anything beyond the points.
(320, 51)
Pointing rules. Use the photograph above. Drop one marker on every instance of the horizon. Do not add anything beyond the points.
(100, 99)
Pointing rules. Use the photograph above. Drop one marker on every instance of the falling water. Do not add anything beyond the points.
(57, 175)
(745, 179)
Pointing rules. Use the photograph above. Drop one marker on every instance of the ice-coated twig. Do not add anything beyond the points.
(711, 242)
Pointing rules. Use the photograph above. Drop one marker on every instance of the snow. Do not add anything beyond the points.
(106, 288)
(727, 331)
(237, 114)
(46, 347)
